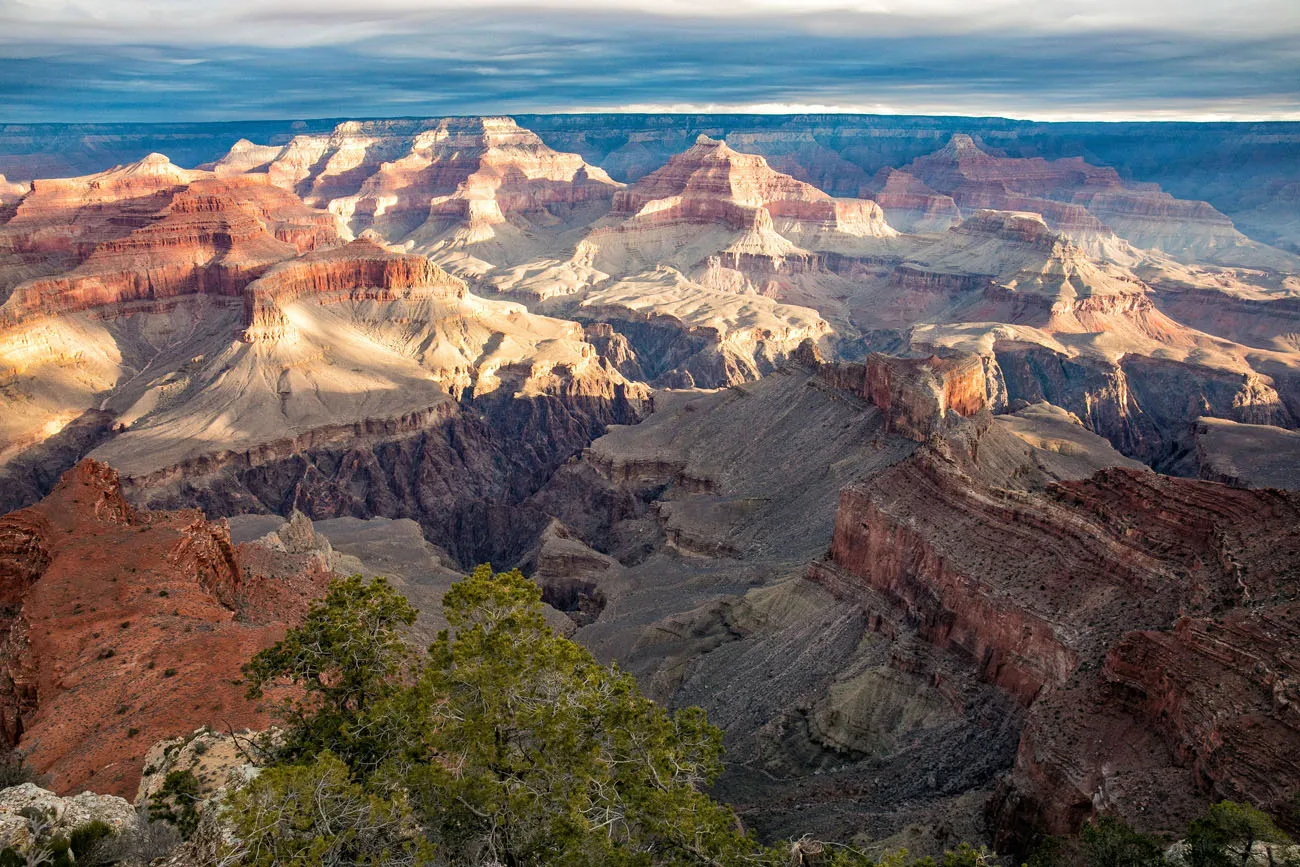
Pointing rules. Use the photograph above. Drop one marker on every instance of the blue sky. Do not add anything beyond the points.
(166, 60)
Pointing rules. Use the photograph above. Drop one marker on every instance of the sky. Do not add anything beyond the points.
(201, 60)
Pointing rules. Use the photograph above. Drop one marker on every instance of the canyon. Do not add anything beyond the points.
(950, 464)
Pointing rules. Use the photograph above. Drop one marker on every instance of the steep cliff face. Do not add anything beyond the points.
(1082, 624)
(123, 627)
(1179, 681)
(150, 232)
(464, 474)
(359, 271)
(910, 205)
(685, 334)
(442, 185)
(916, 396)
(711, 183)
(1145, 406)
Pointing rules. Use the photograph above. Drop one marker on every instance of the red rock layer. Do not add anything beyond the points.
(395, 175)
(1070, 599)
(361, 270)
(711, 183)
(909, 203)
(916, 395)
(168, 233)
(1072, 196)
(122, 628)
(1174, 679)
(963, 168)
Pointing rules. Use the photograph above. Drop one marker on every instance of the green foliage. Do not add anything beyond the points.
(1108, 842)
(84, 839)
(506, 743)
(1227, 833)
(313, 814)
(347, 656)
(967, 855)
(176, 802)
(14, 770)
(1048, 853)
(549, 757)
(52, 848)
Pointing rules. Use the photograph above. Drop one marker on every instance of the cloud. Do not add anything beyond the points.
(190, 60)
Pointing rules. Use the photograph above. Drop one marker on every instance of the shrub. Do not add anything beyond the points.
(177, 801)
(1108, 842)
(1227, 834)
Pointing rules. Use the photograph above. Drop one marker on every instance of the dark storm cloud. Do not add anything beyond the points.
(399, 62)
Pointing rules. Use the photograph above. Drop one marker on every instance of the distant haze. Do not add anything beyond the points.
(162, 60)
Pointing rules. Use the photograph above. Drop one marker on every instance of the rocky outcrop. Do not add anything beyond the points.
(910, 205)
(30, 817)
(1087, 203)
(123, 627)
(463, 473)
(359, 271)
(1082, 624)
(426, 177)
(10, 192)
(1144, 406)
(151, 232)
(711, 183)
(915, 395)
(1247, 455)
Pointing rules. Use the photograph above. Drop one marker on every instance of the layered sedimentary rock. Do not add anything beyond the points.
(712, 184)
(1247, 455)
(1088, 202)
(909, 204)
(123, 627)
(1144, 406)
(916, 395)
(359, 271)
(1074, 625)
(681, 334)
(836, 707)
(126, 275)
(1246, 170)
(349, 343)
(440, 185)
(10, 191)
(211, 237)
(802, 156)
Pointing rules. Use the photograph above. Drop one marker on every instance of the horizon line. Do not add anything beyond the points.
(703, 111)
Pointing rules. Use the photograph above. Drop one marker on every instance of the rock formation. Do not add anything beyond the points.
(1247, 455)
(909, 204)
(1082, 626)
(440, 185)
(1087, 202)
(712, 185)
(19, 804)
(124, 627)
(437, 338)
(210, 237)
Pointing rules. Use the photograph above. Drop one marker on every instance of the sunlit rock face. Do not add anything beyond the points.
(435, 185)
(123, 627)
